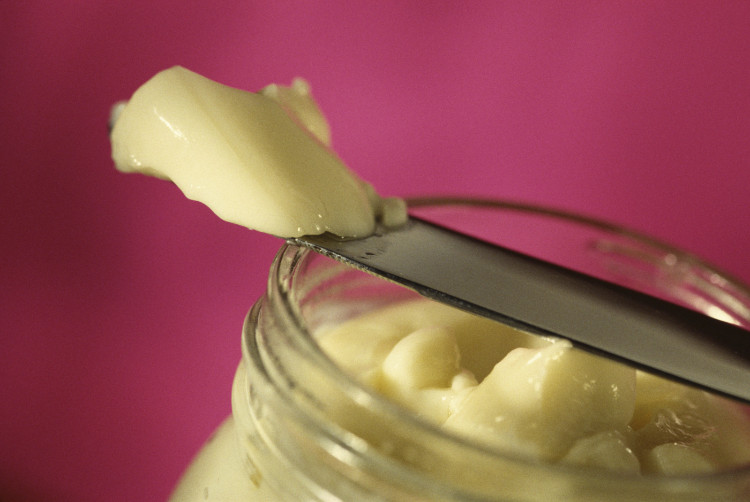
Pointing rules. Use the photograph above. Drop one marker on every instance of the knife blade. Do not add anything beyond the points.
(547, 299)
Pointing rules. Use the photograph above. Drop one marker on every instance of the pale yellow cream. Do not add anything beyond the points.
(538, 397)
(261, 160)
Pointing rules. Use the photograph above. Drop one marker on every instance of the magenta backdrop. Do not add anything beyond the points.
(121, 302)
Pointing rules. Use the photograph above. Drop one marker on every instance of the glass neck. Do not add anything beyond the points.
(313, 433)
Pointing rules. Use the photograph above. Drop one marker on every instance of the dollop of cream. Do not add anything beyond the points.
(262, 160)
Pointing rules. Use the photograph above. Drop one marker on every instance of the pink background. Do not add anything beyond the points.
(121, 302)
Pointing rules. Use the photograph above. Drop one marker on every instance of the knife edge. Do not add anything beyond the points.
(550, 300)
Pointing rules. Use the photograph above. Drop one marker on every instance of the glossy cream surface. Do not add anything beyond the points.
(538, 397)
(261, 160)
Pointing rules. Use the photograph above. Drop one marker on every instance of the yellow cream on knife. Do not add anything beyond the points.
(260, 160)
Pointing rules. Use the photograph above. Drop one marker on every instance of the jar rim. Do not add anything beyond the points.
(290, 261)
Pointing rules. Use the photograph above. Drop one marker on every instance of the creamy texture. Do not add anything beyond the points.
(261, 160)
(538, 397)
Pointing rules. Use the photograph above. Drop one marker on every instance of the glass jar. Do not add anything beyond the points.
(304, 430)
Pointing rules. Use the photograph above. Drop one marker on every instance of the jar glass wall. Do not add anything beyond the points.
(305, 430)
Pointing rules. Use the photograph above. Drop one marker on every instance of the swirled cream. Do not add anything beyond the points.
(537, 397)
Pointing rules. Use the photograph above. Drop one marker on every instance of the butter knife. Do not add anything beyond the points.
(547, 299)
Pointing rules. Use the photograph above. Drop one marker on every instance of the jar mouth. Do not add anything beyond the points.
(301, 283)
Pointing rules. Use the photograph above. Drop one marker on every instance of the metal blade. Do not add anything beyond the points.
(547, 299)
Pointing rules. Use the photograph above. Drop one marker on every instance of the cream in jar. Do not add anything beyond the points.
(539, 397)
